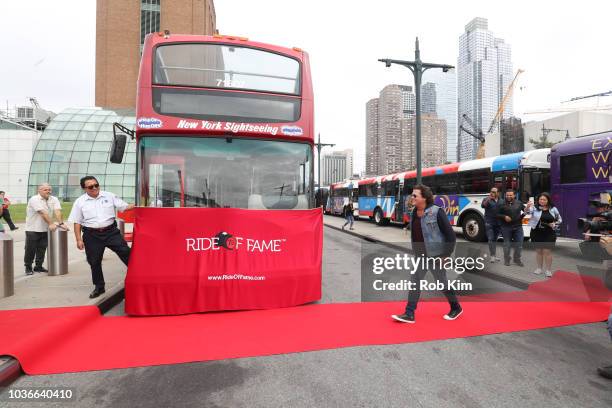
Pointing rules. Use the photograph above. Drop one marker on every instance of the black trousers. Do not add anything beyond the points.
(95, 243)
(35, 247)
(7, 217)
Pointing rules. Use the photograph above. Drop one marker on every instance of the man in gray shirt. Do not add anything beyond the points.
(39, 219)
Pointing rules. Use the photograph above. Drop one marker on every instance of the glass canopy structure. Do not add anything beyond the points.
(77, 143)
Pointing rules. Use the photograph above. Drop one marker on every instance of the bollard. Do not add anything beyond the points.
(121, 226)
(57, 254)
(7, 273)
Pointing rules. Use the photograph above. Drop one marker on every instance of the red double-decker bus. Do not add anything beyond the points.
(225, 141)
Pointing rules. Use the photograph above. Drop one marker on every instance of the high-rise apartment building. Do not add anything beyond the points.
(396, 102)
(485, 72)
(446, 106)
(349, 162)
(334, 167)
(121, 26)
(428, 98)
(433, 141)
(371, 148)
(388, 147)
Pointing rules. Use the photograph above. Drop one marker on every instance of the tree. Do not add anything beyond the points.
(542, 142)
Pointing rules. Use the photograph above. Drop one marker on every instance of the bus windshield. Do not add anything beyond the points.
(226, 67)
(225, 173)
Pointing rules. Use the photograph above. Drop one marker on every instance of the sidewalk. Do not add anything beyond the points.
(566, 255)
(72, 289)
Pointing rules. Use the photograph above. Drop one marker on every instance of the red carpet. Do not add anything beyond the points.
(59, 340)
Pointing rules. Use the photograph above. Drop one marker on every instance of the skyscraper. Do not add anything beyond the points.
(433, 146)
(485, 72)
(446, 106)
(389, 147)
(121, 26)
(371, 148)
(334, 167)
(396, 102)
(428, 98)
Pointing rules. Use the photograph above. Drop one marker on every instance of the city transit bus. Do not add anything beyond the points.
(224, 134)
(580, 172)
(340, 194)
(458, 188)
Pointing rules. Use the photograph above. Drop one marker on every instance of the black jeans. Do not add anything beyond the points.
(7, 217)
(35, 248)
(415, 294)
(95, 243)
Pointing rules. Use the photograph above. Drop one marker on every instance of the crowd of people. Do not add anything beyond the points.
(505, 217)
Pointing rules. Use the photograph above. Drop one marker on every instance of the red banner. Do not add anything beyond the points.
(188, 260)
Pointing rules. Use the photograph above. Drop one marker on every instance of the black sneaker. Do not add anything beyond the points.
(507, 263)
(453, 314)
(40, 269)
(405, 318)
(28, 270)
(15, 228)
(96, 292)
(519, 263)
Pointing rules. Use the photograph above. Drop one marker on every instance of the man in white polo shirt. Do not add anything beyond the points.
(94, 213)
(39, 219)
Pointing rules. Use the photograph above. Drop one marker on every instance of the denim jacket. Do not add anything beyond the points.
(437, 241)
(536, 213)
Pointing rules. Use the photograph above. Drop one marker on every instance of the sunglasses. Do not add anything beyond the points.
(93, 186)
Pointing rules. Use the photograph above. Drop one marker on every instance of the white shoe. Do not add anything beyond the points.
(493, 259)
(538, 271)
(548, 274)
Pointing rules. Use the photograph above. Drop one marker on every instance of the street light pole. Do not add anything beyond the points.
(417, 67)
(319, 146)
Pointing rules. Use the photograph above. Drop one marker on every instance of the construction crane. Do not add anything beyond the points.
(476, 131)
(588, 96)
(568, 109)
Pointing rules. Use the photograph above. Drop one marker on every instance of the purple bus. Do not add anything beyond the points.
(579, 169)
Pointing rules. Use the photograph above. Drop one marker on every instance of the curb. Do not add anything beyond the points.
(114, 297)
(517, 283)
(10, 369)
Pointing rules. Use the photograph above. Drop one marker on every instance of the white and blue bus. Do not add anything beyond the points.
(458, 188)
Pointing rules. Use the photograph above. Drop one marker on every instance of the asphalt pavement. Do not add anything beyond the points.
(552, 367)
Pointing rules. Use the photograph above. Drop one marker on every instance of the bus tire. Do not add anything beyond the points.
(473, 228)
(379, 218)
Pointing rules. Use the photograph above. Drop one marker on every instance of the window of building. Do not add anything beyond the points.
(149, 18)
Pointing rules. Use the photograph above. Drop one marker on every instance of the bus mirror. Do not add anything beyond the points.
(118, 148)
(120, 134)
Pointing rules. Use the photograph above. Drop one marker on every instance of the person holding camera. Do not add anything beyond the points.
(544, 221)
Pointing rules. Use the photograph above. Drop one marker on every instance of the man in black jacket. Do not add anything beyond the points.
(510, 214)
(492, 226)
